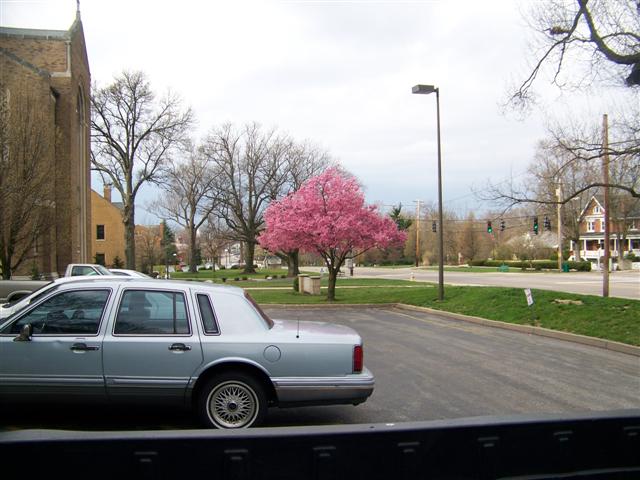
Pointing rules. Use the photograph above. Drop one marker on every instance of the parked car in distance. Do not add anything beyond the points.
(77, 269)
(208, 347)
(9, 308)
(128, 273)
(14, 290)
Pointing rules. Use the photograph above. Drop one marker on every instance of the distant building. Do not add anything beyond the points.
(107, 229)
(624, 233)
(54, 65)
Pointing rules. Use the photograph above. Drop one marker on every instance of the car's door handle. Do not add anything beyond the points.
(83, 347)
(180, 347)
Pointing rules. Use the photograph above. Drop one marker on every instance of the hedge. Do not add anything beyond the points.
(536, 264)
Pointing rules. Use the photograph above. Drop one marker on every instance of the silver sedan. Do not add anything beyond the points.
(118, 339)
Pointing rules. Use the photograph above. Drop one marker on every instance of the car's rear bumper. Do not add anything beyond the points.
(348, 389)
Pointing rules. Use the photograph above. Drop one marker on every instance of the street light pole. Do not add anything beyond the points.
(425, 90)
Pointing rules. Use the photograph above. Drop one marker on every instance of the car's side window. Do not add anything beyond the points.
(82, 271)
(76, 312)
(207, 315)
(150, 312)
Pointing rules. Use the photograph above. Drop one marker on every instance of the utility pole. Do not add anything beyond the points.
(417, 230)
(559, 197)
(605, 174)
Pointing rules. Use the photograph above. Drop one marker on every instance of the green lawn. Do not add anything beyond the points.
(609, 318)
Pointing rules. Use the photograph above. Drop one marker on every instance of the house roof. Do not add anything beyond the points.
(593, 198)
(40, 34)
(43, 34)
(634, 212)
(35, 33)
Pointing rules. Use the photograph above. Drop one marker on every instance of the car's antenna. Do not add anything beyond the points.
(298, 330)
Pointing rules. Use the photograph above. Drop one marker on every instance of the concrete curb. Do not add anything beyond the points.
(542, 332)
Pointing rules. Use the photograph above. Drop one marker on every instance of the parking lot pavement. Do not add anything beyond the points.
(427, 367)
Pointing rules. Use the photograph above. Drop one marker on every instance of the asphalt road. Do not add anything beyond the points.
(427, 367)
(624, 284)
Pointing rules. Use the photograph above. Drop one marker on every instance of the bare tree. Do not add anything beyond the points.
(133, 136)
(215, 237)
(27, 143)
(600, 37)
(571, 158)
(190, 196)
(250, 167)
(148, 248)
(469, 238)
(623, 207)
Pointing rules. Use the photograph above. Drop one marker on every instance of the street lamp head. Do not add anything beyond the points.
(424, 89)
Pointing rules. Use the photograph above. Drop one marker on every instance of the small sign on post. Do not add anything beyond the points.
(527, 293)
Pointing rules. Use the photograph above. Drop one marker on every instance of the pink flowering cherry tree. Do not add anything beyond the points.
(328, 216)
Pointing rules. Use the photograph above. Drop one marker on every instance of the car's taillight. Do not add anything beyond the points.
(358, 359)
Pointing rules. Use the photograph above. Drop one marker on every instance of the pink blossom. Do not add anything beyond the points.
(328, 216)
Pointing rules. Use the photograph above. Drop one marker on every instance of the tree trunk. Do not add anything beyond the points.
(193, 268)
(5, 262)
(333, 276)
(293, 262)
(130, 236)
(248, 256)
(6, 270)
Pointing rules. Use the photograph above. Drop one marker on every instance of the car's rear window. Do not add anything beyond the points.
(208, 317)
(264, 316)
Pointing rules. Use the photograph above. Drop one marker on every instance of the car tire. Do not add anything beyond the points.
(232, 400)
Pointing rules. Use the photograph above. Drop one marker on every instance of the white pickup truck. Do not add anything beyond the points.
(13, 290)
(76, 269)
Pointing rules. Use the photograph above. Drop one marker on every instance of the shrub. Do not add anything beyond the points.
(535, 264)
(245, 278)
(296, 284)
(224, 279)
(35, 272)
(584, 266)
(632, 257)
(237, 279)
(222, 267)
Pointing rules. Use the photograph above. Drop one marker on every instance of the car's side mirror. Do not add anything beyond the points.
(25, 334)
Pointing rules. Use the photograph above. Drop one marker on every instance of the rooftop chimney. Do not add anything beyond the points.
(107, 192)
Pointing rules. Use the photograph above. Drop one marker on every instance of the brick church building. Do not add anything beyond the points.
(54, 65)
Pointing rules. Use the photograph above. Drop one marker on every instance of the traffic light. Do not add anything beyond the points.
(502, 225)
(489, 227)
(535, 225)
(434, 227)
(547, 223)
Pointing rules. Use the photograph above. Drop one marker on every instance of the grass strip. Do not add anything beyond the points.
(614, 319)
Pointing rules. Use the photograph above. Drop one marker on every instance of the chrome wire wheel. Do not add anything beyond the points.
(232, 404)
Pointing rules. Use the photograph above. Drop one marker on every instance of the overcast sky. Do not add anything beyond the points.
(338, 73)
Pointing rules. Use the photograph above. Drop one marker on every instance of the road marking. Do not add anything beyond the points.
(456, 324)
